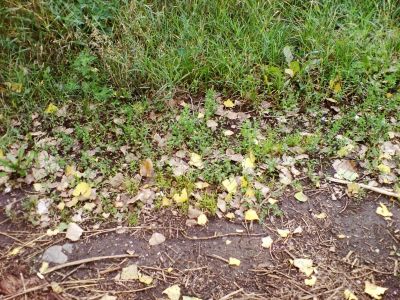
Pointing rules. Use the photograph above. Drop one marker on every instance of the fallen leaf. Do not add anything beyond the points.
(348, 295)
(173, 292)
(373, 290)
(383, 211)
(229, 104)
(74, 232)
(165, 201)
(345, 170)
(130, 273)
(195, 160)
(283, 232)
(310, 281)
(298, 230)
(182, 197)
(51, 109)
(70, 170)
(83, 190)
(202, 220)
(346, 150)
(272, 201)
(335, 85)
(15, 251)
(300, 196)
(230, 215)
(108, 297)
(146, 168)
(384, 169)
(230, 185)
(266, 242)
(234, 261)
(251, 215)
(56, 287)
(320, 215)
(288, 54)
(201, 185)
(44, 267)
(305, 265)
(212, 124)
(228, 132)
(353, 188)
(156, 239)
(147, 280)
(248, 163)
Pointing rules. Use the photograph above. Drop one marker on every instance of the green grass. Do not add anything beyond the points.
(125, 60)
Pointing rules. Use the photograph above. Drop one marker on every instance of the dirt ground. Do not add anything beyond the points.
(350, 246)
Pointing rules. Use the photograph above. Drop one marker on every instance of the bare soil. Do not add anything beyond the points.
(194, 257)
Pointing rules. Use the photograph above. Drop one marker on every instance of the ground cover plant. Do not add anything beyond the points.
(119, 111)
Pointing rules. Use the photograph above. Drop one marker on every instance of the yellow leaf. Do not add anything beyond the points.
(230, 185)
(51, 232)
(304, 265)
(70, 170)
(13, 86)
(266, 242)
(248, 164)
(145, 279)
(1, 153)
(346, 150)
(182, 197)
(201, 185)
(44, 267)
(82, 189)
(310, 281)
(320, 215)
(249, 193)
(195, 160)
(383, 211)
(230, 216)
(348, 295)
(15, 251)
(202, 220)
(373, 290)
(56, 287)
(341, 236)
(283, 232)
(61, 205)
(272, 201)
(243, 182)
(173, 292)
(146, 168)
(353, 188)
(165, 202)
(251, 215)
(234, 261)
(229, 104)
(300, 196)
(384, 169)
(335, 85)
(51, 109)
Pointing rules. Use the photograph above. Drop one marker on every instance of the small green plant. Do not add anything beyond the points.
(208, 202)
(133, 219)
(18, 164)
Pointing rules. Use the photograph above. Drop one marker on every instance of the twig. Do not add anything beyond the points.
(220, 235)
(11, 237)
(226, 297)
(33, 289)
(218, 257)
(367, 187)
(84, 261)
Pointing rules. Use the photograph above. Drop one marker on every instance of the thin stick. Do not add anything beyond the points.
(218, 257)
(220, 235)
(84, 261)
(367, 187)
(33, 289)
(226, 297)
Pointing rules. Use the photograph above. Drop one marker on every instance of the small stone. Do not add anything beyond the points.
(55, 255)
(74, 232)
(68, 247)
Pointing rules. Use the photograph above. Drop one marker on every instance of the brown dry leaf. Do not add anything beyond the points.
(147, 168)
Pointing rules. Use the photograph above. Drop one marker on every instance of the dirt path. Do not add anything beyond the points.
(351, 245)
